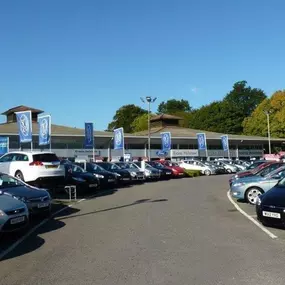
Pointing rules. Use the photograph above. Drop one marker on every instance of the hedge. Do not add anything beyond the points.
(192, 173)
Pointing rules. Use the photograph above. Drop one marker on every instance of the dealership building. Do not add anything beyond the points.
(69, 141)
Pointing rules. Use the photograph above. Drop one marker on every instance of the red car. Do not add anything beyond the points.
(177, 171)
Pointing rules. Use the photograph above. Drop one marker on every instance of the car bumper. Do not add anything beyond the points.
(9, 224)
(279, 222)
(37, 208)
(237, 192)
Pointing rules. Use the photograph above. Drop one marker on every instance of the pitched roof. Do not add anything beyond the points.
(21, 108)
(179, 132)
(164, 116)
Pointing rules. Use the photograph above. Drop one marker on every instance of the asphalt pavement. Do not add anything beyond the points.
(182, 231)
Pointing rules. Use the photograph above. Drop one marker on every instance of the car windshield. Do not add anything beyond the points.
(132, 166)
(277, 172)
(268, 170)
(156, 164)
(96, 167)
(113, 166)
(7, 181)
(123, 165)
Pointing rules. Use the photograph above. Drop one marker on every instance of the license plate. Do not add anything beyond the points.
(43, 205)
(271, 215)
(168, 173)
(181, 173)
(17, 220)
(111, 180)
(126, 178)
(51, 166)
(92, 185)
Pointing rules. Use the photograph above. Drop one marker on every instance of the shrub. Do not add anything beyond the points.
(192, 173)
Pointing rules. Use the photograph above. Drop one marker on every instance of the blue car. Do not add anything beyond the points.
(249, 188)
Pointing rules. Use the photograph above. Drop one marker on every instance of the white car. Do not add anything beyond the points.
(38, 168)
(197, 165)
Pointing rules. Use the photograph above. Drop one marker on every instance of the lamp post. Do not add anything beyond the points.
(267, 113)
(148, 100)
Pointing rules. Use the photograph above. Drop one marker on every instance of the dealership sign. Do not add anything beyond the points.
(4, 145)
(184, 152)
(161, 153)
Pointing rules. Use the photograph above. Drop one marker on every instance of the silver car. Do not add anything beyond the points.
(249, 188)
(14, 214)
(150, 172)
(135, 172)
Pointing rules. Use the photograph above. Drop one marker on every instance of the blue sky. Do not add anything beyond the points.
(81, 60)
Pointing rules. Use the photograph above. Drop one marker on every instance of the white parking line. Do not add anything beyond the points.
(250, 217)
(32, 230)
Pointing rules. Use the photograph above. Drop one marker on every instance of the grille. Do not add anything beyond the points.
(40, 199)
(15, 211)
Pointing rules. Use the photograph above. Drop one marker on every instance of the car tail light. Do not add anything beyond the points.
(36, 163)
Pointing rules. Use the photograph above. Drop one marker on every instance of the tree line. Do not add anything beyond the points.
(241, 111)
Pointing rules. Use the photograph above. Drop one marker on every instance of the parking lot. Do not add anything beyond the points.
(182, 231)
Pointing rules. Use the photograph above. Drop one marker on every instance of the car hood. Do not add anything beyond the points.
(249, 179)
(8, 203)
(178, 168)
(119, 171)
(275, 197)
(24, 191)
(86, 175)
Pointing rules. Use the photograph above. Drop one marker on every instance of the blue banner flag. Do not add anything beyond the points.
(202, 144)
(44, 123)
(166, 141)
(89, 136)
(119, 138)
(225, 142)
(4, 145)
(24, 121)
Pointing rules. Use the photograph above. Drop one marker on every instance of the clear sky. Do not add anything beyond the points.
(81, 60)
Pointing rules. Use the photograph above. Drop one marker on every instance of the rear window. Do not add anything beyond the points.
(45, 157)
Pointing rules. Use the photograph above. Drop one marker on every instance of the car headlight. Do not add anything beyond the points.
(2, 214)
(98, 175)
(257, 201)
(147, 171)
(23, 199)
(78, 179)
(117, 174)
(238, 184)
(133, 174)
(236, 176)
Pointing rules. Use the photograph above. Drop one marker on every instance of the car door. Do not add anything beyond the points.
(19, 162)
(5, 162)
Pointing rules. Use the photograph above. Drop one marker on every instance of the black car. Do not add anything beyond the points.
(123, 176)
(270, 207)
(165, 173)
(83, 180)
(107, 178)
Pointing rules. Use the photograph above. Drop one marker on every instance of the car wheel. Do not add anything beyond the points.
(229, 171)
(19, 175)
(252, 193)
(207, 172)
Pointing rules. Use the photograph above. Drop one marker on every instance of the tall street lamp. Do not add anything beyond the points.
(267, 113)
(148, 100)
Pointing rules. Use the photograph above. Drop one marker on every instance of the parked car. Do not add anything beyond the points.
(165, 173)
(123, 176)
(230, 168)
(83, 180)
(260, 170)
(107, 179)
(220, 169)
(37, 200)
(150, 172)
(37, 168)
(14, 214)
(250, 188)
(137, 174)
(198, 165)
(270, 206)
(177, 171)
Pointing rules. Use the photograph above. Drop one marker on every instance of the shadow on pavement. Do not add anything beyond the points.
(142, 201)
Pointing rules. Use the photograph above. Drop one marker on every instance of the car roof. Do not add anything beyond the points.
(30, 152)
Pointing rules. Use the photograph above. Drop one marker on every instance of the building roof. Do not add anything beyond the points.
(20, 109)
(164, 117)
(179, 132)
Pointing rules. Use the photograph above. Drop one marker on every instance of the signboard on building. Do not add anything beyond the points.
(184, 152)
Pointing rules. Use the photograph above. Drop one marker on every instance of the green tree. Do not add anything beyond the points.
(125, 116)
(256, 123)
(140, 123)
(173, 106)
